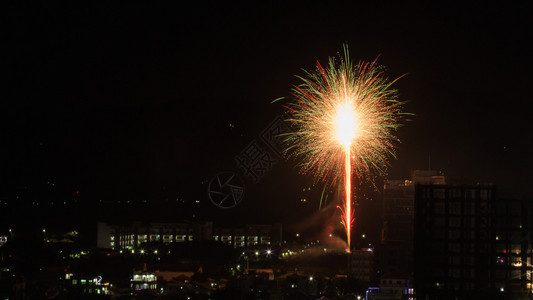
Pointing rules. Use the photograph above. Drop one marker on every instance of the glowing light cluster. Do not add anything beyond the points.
(345, 123)
(344, 118)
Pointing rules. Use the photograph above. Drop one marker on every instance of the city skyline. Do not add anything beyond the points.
(143, 151)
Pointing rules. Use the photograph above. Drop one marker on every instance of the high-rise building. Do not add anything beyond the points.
(395, 252)
(468, 244)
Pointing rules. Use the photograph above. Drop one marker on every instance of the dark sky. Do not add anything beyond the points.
(135, 101)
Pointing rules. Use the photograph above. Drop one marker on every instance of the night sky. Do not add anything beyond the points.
(147, 102)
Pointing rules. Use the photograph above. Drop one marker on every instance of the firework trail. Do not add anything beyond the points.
(344, 117)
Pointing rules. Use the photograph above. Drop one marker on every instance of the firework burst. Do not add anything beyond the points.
(344, 118)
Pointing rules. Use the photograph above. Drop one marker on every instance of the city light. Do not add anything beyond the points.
(164, 113)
